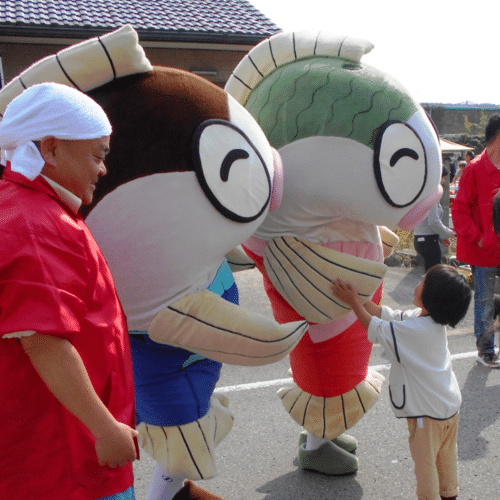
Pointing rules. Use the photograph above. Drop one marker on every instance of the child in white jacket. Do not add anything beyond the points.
(422, 386)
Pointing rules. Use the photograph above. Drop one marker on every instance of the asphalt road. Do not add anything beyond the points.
(258, 460)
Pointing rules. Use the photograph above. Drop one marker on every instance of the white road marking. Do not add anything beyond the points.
(284, 381)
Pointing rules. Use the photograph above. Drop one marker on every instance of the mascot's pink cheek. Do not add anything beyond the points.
(419, 212)
(277, 193)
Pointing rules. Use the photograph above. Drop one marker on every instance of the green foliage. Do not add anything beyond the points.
(476, 128)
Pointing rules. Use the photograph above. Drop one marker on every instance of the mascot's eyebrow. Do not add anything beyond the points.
(400, 153)
(227, 163)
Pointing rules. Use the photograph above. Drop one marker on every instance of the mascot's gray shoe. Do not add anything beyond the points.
(344, 441)
(328, 459)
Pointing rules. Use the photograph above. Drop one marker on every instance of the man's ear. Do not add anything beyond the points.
(48, 146)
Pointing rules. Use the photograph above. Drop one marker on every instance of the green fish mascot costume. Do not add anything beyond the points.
(359, 156)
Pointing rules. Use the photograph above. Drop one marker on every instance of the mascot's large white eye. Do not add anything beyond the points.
(400, 164)
(231, 171)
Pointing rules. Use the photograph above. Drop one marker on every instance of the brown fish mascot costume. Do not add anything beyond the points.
(190, 177)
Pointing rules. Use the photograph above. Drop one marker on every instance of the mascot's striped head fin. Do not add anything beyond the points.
(308, 84)
(284, 48)
(84, 66)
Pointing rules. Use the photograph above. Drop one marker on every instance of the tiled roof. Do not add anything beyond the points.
(236, 21)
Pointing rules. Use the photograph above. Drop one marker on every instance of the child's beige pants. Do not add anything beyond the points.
(434, 451)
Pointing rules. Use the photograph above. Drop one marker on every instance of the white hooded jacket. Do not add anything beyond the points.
(421, 380)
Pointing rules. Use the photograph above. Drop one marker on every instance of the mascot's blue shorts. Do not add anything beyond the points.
(174, 386)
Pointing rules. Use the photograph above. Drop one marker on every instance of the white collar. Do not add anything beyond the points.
(70, 199)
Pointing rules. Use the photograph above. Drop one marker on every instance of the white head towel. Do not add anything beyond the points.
(47, 110)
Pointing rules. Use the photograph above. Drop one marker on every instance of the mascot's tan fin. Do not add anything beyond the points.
(389, 240)
(188, 450)
(238, 260)
(303, 272)
(328, 418)
(206, 324)
(85, 66)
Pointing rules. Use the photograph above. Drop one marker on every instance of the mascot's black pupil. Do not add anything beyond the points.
(231, 157)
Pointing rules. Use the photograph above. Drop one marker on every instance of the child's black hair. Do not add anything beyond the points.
(446, 295)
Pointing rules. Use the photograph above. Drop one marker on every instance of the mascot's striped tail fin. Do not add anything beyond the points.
(191, 447)
(330, 417)
(284, 48)
(85, 66)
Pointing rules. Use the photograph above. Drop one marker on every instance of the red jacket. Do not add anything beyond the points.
(54, 280)
(472, 213)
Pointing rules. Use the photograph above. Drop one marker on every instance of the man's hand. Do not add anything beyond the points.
(115, 447)
(62, 369)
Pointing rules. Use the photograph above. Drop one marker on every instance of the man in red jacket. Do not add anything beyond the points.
(477, 243)
(66, 425)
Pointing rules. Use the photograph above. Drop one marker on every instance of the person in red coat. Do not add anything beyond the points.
(477, 242)
(67, 419)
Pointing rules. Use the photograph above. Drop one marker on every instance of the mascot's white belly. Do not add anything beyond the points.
(322, 202)
(154, 259)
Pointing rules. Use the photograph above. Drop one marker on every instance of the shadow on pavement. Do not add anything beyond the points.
(312, 485)
(400, 284)
(479, 411)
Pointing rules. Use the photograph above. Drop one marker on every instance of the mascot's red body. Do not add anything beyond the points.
(332, 370)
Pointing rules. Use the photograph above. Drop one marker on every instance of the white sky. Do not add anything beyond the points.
(440, 50)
